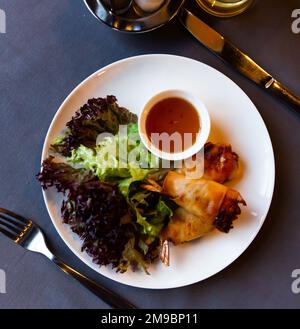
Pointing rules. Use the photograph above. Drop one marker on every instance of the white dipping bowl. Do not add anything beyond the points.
(204, 121)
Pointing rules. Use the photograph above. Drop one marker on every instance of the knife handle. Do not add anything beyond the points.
(285, 95)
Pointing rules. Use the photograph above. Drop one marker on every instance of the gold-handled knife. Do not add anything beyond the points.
(231, 54)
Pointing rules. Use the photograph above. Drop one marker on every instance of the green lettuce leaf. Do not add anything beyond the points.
(105, 162)
(132, 257)
(151, 216)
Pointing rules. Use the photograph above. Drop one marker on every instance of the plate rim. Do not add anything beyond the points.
(45, 153)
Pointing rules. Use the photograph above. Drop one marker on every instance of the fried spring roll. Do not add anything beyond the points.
(204, 205)
(220, 163)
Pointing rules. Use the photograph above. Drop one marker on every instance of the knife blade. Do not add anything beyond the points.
(231, 54)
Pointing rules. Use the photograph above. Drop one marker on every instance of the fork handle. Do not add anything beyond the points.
(105, 294)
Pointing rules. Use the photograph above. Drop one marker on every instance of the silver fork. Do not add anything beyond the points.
(27, 234)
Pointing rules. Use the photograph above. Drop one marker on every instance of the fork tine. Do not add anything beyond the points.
(10, 226)
(13, 222)
(8, 233)
(15, 216)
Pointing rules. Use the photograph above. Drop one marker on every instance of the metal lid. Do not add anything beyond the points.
(134, 20)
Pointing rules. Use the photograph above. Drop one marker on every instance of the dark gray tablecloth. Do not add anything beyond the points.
(49, 47)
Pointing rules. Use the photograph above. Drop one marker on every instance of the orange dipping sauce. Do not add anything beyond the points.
(173, 115)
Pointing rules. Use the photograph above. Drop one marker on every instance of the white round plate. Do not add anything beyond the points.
(234, 119)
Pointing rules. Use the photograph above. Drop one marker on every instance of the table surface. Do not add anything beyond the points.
(51, 46)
